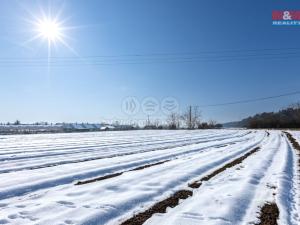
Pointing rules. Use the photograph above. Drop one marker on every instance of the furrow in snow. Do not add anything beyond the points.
(117, 198)
(173, 201)
(81, 157)
(24, 180)
(232, 197)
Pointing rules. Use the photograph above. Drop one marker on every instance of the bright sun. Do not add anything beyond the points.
(49, 30)
(52, 29)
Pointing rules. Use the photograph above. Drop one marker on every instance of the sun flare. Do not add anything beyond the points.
(49, 30)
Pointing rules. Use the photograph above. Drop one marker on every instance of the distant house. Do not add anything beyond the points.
(59, 128)
(29, 129)
(106, 127)
(81, 127)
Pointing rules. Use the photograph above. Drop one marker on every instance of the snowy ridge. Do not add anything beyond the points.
(39, 172)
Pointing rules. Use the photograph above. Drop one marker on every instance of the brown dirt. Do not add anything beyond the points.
(269, 214)
(233, 163)
(220, 146)
(149, 165)
(173, 201)
(108, 157)
(293, 141)
(118, 174)
(98, 179)
(159, 207)
(296, 146)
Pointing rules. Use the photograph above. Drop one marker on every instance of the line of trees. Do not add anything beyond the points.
(190, 119)
(17, 122)
(285, 118)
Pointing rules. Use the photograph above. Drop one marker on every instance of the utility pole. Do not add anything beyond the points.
(190, 117)
(148, 121)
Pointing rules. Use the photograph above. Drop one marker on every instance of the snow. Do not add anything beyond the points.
(38, 173)
(234, 197)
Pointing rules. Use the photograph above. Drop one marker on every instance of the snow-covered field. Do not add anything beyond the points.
(38, 174)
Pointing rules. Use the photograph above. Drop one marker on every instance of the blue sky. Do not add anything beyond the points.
(91, 93)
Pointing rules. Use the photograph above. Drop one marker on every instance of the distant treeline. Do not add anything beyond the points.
(286, 118)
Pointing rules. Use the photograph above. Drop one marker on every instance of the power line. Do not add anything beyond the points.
(251, 100)
(76, 60)
(204, 106)
(213, 56)
(158, 54)
(292, 55)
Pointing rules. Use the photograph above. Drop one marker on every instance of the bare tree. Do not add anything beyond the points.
(295, 106)
(185, 117)
(196, 117)
(173, 121)
(212, 123)
(17, 122)
(192, 117)
(156, 123)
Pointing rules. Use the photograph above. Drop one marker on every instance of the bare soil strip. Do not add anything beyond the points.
(159, 207)
(106, 157)
(197, 184)
(173, 201)
(296, 146)
(110, 156)
(269, 214)
(88, 159)
(118, 174)
(98, 179)
(293, 141)
(149, 165)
